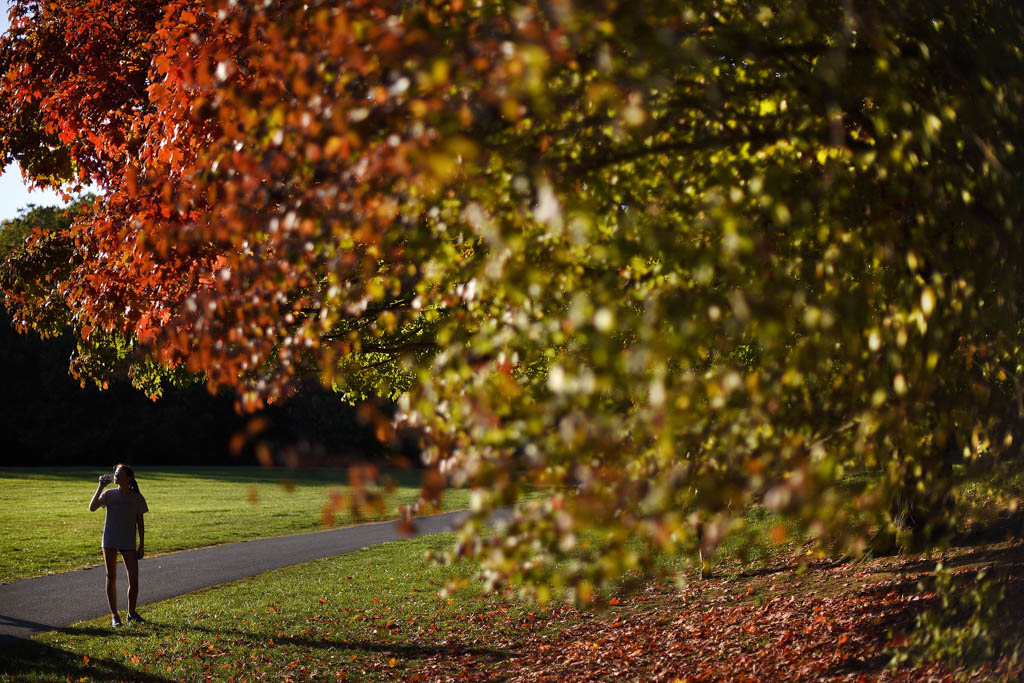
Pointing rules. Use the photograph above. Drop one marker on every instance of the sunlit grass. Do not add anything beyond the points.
(47, 526)
(993, 494)
(368, 614)
(375, 614)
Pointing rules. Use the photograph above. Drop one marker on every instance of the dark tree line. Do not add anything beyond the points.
(48, 419)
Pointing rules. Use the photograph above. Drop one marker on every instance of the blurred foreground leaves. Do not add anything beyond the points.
(669, 260)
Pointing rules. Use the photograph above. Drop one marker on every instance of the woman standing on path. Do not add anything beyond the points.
(125, 507)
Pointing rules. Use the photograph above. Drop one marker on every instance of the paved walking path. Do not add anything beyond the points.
(46, 603)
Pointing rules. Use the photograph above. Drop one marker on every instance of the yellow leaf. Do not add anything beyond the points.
(767, 107)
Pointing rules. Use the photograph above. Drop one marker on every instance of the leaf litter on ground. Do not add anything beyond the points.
(832, 621)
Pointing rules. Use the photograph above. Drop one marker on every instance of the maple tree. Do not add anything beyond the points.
(673, 260)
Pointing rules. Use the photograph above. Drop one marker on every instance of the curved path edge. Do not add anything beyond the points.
(46, 603)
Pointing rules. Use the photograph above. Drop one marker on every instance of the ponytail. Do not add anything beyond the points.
(132, 485)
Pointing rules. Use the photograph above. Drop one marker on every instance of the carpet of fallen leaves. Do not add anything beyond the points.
(824, 621)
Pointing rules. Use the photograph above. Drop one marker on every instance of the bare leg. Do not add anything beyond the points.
(131, 566)
(110, 564)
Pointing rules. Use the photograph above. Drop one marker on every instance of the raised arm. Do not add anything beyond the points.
(96, 503)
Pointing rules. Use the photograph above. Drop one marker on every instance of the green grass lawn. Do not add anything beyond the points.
(374, 614)
(367, 614)
(47, 526)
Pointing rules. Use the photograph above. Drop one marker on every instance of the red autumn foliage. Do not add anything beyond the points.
(249, 158)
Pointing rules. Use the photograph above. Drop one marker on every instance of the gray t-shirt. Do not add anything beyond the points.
(122, 511)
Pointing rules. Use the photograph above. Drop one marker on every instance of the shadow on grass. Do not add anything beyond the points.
(997, 530)
(29, 657)
(229, 474)
(406, 650)
(978, 555)
(332, 476)
(782, 569)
